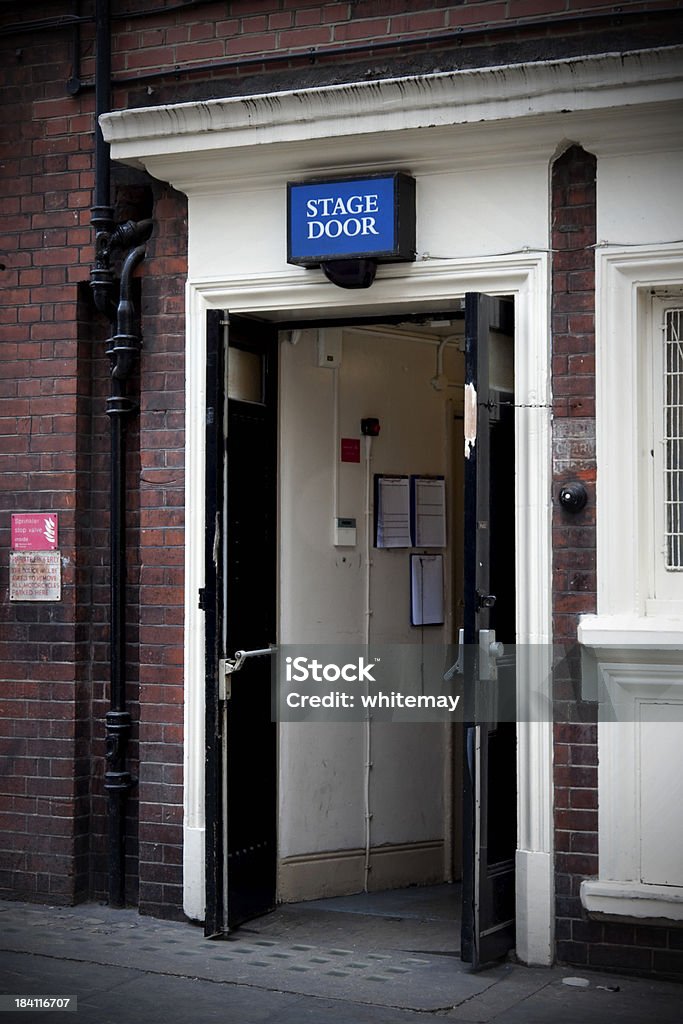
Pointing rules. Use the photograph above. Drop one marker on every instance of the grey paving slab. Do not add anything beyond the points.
(323, 1011)
(638, 1001)
(382, 967)
(160, 999)
(114, 995)
(25, 973)
(424, 903)
(370, 930)
(513, 985)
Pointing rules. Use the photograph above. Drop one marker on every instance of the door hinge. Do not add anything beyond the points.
(203, 604)
(225, 669)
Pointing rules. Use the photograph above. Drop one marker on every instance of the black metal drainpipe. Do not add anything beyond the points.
(122, 349)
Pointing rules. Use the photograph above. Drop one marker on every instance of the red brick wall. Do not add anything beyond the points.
(162, 553)
(573, 228)
(263, 45)
(220, 48)
(55, 439)
(264, 28)
(46, 182)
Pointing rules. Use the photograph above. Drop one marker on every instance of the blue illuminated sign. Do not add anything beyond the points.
(371, 217)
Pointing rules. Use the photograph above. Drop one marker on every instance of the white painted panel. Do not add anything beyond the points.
(640, 772)
(483, 210)
(661, 793)
(406, 782)
(321, 787)
(237, 231)
(639, 198)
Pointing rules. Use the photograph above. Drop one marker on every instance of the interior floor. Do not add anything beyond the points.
(418, 919)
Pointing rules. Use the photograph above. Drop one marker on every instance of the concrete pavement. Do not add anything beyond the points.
(385, 958)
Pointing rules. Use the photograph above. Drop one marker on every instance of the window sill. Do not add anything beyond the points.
(636, 901)
(629, 633)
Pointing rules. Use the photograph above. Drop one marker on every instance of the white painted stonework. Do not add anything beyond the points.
(480, 144)
(636, 640)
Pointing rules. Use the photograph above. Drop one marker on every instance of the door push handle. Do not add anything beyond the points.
(490, 650)
(228, 667)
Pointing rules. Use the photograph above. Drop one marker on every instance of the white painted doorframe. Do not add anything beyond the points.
(422, 286)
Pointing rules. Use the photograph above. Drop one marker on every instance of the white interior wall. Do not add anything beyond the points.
(322, 588)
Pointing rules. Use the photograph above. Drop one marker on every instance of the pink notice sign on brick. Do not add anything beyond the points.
(34, 531)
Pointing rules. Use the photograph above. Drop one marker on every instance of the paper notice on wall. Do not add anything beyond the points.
(428, 497)
(426, 590)
(35, 576)
(392, 512)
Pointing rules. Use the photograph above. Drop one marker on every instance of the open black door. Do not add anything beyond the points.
(489, 796)
(211, 601)
(240, 603)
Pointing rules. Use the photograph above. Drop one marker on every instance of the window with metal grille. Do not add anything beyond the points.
(673, 437)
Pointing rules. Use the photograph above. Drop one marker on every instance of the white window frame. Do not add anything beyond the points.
(626, 279)
(666, 585)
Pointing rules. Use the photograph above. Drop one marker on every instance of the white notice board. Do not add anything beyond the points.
(426, 590)
(428, 511)
(392, 511)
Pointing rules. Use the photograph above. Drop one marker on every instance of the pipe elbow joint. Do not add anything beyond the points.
(131, 233)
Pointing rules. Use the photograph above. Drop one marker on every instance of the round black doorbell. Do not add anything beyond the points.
(573, 497)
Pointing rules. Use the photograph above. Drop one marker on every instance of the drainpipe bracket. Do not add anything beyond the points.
(117, 782)
(120, 405)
